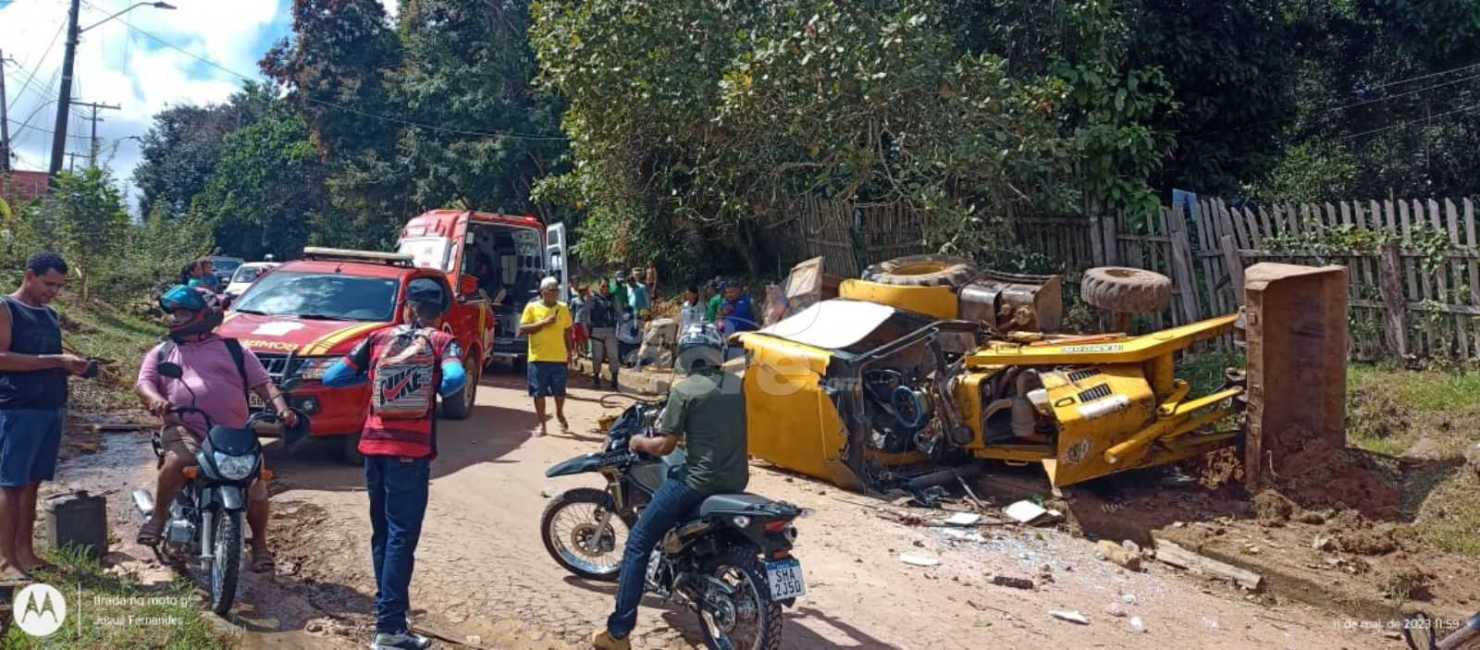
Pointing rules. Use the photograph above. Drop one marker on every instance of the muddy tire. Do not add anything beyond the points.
(227, 564)
(559, 547)
(1126, 290)
(923, 271)
(760, 617)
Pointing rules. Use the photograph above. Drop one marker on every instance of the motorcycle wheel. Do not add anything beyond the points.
(747, 620)
(226, 561)
(568, 528)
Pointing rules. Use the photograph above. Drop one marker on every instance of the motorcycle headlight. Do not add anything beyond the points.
(234, 468)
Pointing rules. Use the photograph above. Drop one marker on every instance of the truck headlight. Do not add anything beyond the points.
(313, 368)
(234, 468)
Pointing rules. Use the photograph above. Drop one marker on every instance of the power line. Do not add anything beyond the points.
(1426, 76)
(387, 118)
(21, 126)
(1471, 107)
(36, 67)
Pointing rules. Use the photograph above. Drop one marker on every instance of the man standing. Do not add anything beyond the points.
(716, 300)
(735, 315)
(33, 401)
(602, 313)
(637, 293)
(399, 442)
(580, 333)
(201, 273)
(221, 369)
(707, 409)
(545, 321)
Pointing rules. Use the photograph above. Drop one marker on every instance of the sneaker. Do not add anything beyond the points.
(402, 641)
(604, 640)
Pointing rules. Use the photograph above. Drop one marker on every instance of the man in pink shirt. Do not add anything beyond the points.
(220, 384)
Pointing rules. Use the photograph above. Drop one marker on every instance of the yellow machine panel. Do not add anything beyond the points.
(939, 302)
(1096, 412)
(790, 421)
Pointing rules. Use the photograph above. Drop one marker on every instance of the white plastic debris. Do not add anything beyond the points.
(918, 559)
(963, 519)
(1129, 599)
(1025, 512)
(1069, 615)
(1137, 625)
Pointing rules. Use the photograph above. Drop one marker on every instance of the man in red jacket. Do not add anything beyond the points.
(405, 365)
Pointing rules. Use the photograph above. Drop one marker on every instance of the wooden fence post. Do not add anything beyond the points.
(1395, 308)
(1097, 241)
(1182, 265)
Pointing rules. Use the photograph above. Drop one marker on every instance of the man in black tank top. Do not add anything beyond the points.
(33, 401)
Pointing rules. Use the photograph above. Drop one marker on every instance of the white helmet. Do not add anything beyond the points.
(699, 346)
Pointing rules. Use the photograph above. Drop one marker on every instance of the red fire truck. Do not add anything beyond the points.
(302, 316)
(495, 260)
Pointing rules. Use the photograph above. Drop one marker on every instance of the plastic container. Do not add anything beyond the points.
(78, 519)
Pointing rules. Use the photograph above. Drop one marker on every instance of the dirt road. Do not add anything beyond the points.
(482, 574)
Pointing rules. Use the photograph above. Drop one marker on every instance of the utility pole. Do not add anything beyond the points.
(72, 161)
(92, 159)
(4, 121)
(64, 98)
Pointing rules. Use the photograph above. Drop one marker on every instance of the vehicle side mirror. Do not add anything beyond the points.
(171, 370)
(467, 285)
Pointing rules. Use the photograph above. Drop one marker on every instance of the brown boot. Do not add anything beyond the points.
(603, 640)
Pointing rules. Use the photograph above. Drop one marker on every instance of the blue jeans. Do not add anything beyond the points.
(671, 504)
(398, 502)
(547, 379)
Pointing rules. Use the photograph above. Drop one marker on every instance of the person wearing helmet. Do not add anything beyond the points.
(707, 410)
(219, 372)
(404, 365)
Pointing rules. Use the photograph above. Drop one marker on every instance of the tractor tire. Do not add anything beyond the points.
(923, 271)
(1126, 290)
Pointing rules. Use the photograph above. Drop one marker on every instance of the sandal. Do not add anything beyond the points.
(263, 562)
(150, 536)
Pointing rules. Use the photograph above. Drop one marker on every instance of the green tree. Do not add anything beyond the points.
(180, 151)
(85, 219)
(267, 195)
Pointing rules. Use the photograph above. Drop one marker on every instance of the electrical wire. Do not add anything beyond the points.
(1456, 111)
(36, 67)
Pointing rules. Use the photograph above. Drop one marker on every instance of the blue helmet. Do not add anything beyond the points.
(191, 310)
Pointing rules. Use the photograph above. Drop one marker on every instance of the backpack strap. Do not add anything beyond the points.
(239, 357)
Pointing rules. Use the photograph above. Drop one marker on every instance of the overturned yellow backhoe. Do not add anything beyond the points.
(893, 381)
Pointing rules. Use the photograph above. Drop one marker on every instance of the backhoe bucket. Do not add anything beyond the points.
(1295, 325)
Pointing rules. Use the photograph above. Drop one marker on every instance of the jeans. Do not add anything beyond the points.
(398, 502)
(671, 504)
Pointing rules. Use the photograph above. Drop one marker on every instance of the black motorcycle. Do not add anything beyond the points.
(206, 518)
(730, 562)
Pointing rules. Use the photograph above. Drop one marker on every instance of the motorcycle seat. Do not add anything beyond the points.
(731, 504)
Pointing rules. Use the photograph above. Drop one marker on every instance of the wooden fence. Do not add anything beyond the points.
(1413, 265)
(850, 236)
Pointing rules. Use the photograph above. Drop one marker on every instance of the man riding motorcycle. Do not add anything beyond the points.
(706, 409)
(219, 372)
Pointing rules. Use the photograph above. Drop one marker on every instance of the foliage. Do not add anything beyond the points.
(268, 189)
(708, 119)
(1311, 171)
(84, 219)
(180, 151)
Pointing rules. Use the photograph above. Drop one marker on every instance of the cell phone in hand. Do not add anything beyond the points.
(91, 370)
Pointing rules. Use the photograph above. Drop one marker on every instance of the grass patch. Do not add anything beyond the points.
(115, 613)
(1206, 371)
(1424, 391)
(115, 337)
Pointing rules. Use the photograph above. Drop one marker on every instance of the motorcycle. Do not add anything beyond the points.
(1423, 633)
(206, 517)
(729, 562)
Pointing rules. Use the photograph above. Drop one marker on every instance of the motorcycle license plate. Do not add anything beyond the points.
(786, 579)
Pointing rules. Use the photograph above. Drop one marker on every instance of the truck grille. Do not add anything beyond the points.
(277, 365)
(1098, 392)
(1082, 374)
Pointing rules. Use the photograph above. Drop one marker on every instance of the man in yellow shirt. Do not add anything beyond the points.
(547, 323)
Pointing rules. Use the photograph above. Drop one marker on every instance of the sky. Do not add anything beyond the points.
(117, 63)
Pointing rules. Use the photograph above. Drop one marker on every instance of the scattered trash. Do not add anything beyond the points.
(1178, 524)
(1115, 609)
(1137, 625)
(1015, 583)
(1112, 552)
(963, 536)
(919, 559)
(1129, 599)
(1069, 615)
(1029, 513)
(929, 497)
(964, 519)
(1170, 553)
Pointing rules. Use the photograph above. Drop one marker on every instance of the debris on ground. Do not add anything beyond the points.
(1112, 552)
(963, 519)
(1115, 609)
(1370, 541)
(1031, 514)
(1069, 615)
(1136, 625)
(919, 559)
(1015, 583)
(1170, 553)
(1272, 508)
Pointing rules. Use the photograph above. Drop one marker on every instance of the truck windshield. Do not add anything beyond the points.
(321, 296)
(247, 273)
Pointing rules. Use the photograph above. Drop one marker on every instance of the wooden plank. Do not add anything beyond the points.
(1170, 553)
(1472, 267)
(1251, 224)
(1235, 270)
(1266, 224)
(1240, 231)
(1182, 266)
(1210, 265)
(1462, 324)
(1425, 282)
(1394, 317)
(1096, 235)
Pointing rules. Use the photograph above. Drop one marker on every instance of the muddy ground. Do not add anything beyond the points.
(483, 577)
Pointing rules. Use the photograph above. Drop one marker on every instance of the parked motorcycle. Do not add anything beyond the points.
(730, 562)
(206, 518)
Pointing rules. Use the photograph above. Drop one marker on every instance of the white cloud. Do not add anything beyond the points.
(117, 64)
(392, 8)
